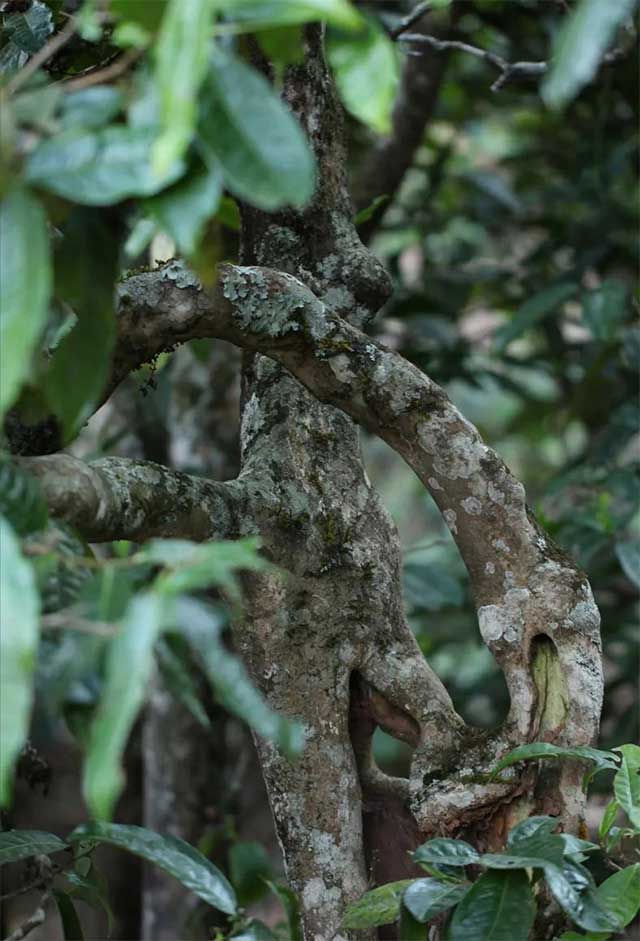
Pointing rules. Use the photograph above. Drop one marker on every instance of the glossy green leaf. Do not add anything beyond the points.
(628, 554)
(19, 844)
(21, 500)
(30, 30)
(128, 670)
(531, 827)
(253, 930)
(608, 819)
(620, 894)
(580, 45)
(71, 926)
(99, 167)
(381, 906)
(19, 613)
(498, 907)
(90, 107)
(184, 209)
(426, 898)
(543, 750)
(604, 308)
(574, 889)
(24, 288)
(249, 869)
(179, 859)
(261, 147)
(626, 784)
(230, 680)
(282, 12)
(181, 63)
(534, 311)
(369, 211)
(446, 852)
(366, 71)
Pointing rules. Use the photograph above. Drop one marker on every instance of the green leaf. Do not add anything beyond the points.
(228, 213)
(90, 107)
(580, 46)
(446, 852)
(172, 655)
(531, 827)
(426, 898)
(608, 818)
(261, 147)
(291, 904)
(628, 554)
(539, 750)
(19, 613)
(184, 209)
(365, 214)
(410, 929)
(71, 927)
(604, 308)
(128, 670)
(196, 565)
(92, 888)
(24, 288)
(230, 680)
(29, 31)
(36, 106)
(620, 894)
(181, 63)
(170, 854)
(86, 263)
(18, 844)
(21, 500)
(498, 907)
(626, 784)
(99, 167)
(282, 12)
(253, 930)
(573, 889)
(249, 869)
(381, 906)
(145, 14)
(533, 312)
(366, 72)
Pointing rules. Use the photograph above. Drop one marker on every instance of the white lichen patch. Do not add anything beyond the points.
(181, 276)
(341, 368)
(501, 546)
(504, 622)
(489, 568)
(450, 518)
(262, 306)
(472, 506)
(434, 483)
(252, 421)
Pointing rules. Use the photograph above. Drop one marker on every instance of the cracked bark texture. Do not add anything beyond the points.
(327, 641)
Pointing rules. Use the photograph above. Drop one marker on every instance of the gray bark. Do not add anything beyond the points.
(335, 619)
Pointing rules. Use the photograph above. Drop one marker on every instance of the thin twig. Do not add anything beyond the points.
(71, 621)
(115, 70)
(34, 920)
(417, 13)
(508, 70)
(43, 55)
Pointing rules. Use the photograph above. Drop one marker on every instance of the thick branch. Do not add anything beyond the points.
(116, 498)
(523, 585)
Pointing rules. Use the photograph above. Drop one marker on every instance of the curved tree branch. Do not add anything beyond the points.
(117, 498)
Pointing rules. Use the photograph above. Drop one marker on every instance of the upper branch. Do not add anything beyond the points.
(117, 498)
